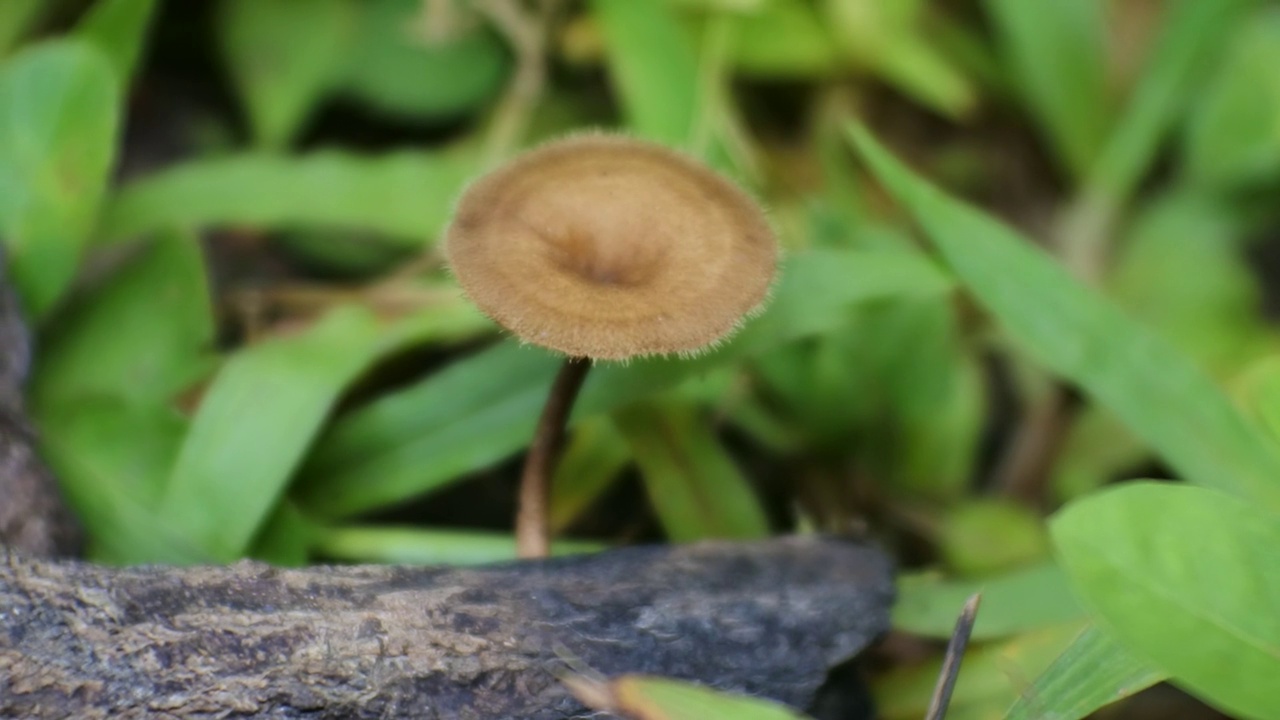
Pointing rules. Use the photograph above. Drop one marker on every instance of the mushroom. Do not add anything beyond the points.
(603, 247)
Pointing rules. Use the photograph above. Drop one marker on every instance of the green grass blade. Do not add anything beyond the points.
(444, 72)
(1187, 579)
(145, 336)
(1213, 319)
(264, 409)
(1160, 394)
(283, 56)
(404, 195)
(654, 67)
(1093, 672)
(654, 698)
(111, 458)
(892, 38)
(16, 18)
(417, 546)
(119, 29)
(285, 539)
(59, 116)
(254, 424)
(104, 390)
(592, 459)
(467, 416)
(1232, 137)
(991, 676)
(1057, 50)
(694, 485)
(1259, 389)
(1194, 33)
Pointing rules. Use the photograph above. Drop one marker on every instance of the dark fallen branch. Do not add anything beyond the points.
(769, 618)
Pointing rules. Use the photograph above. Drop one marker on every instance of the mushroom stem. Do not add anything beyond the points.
(533, 533)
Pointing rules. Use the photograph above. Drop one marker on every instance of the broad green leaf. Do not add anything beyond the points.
(653, 698)
(482, 409)
(1234, 132)
(417, 546)
(1187, 579)
(1057, 50)
(1192, 35)
(111, 458)
(405, 195)
(1014, 603)
(694, 485)
(144, 336)
(447, 66)
(119, 29)
(1160, 394)
(59, 114)
(16, 18)
(1093, 672)
(992, 675)
(283, 57)
(653, 66)
(592, 459)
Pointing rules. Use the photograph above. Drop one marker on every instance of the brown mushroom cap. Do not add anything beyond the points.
(607, 247)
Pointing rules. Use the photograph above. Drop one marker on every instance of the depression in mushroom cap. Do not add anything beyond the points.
(607, 247)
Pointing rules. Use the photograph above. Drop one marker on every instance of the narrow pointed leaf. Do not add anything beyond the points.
(1057, 50)
(16, 18)
(1092, 673)
(418, 546)
(1193, 34)
(641, 697)
(111, 458)
(119, 29)
(653, 66)
(283, 56)
(144, 335)
(593, 458)
(1160, 394)
(404, 195)
(694, 485)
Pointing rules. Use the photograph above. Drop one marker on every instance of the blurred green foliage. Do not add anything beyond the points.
(924, 368)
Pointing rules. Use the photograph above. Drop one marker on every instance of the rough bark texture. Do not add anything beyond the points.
(251, 641)
(32, 516)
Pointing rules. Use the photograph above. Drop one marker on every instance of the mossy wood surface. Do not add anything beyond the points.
(253, 641)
